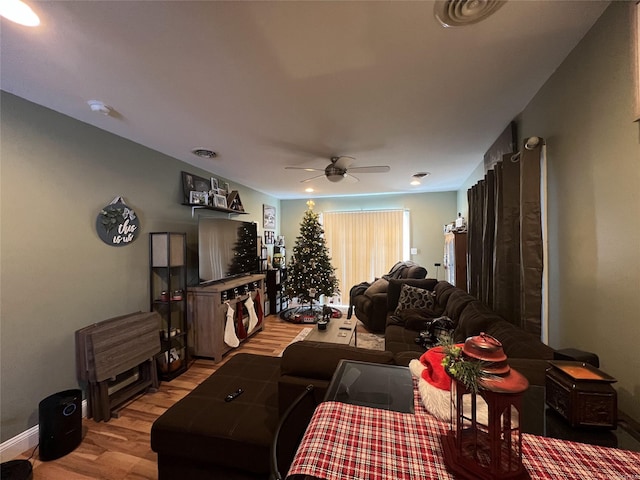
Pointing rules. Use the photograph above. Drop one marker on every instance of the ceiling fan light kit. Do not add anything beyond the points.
(458, 13)
(339, 169)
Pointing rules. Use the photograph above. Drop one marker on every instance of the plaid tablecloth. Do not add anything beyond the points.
(349, 442)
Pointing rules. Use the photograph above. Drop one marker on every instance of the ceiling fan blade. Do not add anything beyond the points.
(306, 169)
(312, 178)
(372, 169)
(350, 178)
(343, 161)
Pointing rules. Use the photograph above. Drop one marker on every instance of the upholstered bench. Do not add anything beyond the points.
(204, 437)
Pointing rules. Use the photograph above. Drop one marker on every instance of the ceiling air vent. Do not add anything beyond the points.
(458, 13)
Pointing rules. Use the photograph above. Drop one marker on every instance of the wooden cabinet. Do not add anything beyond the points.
(455, 259)
(275, 294)
(207, 313)
(168, 282)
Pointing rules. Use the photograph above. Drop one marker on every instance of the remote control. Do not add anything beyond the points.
(233, 395)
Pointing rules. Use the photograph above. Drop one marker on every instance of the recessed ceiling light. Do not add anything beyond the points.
(19, 12)
(99, 107)
(204, 153)
(417, 176)
(308, 189)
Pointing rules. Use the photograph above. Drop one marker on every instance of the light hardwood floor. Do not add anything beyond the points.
(120, 448)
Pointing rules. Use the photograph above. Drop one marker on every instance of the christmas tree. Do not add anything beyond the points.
(245, 255)
(309, 273)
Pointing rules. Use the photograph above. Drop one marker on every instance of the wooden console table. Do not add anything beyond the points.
(206, 313)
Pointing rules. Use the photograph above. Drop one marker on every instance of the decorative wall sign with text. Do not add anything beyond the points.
(117, 225)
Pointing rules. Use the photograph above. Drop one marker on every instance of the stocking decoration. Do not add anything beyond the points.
(242, 332)
(259, 307)
(253, 318)
(230, 337)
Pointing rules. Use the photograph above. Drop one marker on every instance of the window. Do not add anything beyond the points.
(364, 245)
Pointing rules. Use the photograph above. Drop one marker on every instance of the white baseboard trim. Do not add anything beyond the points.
(26, 440)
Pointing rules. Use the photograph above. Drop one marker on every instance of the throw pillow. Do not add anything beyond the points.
(414, 297)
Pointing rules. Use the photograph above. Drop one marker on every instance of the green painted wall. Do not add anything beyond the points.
(429, 212)
(585, 112)
(57, 276)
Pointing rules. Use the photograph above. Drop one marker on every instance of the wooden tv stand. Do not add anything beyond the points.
(206, 313)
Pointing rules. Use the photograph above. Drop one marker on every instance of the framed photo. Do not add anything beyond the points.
(226, 186)
(198, 198)
(193, 183)
(219, 201)
(214, 184)
(269, 217)
(269, 237)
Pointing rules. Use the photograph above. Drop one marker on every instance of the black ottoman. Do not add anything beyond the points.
(204, 437)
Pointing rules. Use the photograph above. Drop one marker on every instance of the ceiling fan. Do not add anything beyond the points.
(336, 171)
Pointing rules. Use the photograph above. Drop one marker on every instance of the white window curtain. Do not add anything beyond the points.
(364, 245)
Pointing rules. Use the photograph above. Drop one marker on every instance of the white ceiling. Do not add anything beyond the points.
(275, 84)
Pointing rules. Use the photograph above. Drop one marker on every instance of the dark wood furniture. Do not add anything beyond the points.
(275, 294)
(582, 394)
(167, 284)
(116, 357)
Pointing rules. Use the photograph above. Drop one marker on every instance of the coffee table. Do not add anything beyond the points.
(339, 330)
(389, 387)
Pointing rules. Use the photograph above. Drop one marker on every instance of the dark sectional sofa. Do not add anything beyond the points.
(202, 436)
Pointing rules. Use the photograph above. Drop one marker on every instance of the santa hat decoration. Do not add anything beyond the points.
(230, 337)
(434, 384)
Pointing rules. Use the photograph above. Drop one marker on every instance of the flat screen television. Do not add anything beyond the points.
(226, 248)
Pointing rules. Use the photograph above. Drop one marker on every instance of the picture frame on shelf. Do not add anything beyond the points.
(220, 201)
(226, 186)
(269, 217)
(214, 184)
(269, 237)
(193, 183)
(197, 197)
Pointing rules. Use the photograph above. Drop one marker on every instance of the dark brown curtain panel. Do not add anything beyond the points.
(505, 239)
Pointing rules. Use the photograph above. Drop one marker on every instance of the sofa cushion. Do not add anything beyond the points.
(379, 286)
(395, 286)
(320, 359)
(414, 271)
(443, 291)
(416, 319)
(474, 319)
(399, 339)
(457, 302)
(414, 297)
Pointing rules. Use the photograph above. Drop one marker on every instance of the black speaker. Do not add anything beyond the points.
(60, 417)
